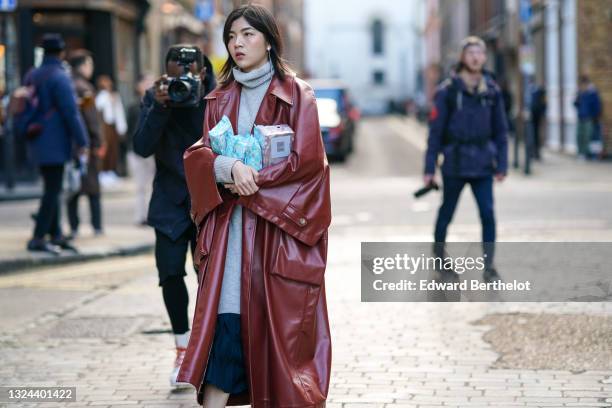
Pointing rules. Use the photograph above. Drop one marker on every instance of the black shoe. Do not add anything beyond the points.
(445, 271)
(439, 252)
(40, 245)
(491, 275)
(72, 236)
(64, 244)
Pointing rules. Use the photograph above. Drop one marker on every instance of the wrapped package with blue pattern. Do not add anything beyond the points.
(253, 156)
(245, 148)
(220, 134)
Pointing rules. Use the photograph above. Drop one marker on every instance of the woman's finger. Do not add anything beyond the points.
(254, 187)
(241, 189)
(255, 176)
(250, 185)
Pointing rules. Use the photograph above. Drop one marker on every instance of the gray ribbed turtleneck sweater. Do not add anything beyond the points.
(254, 86)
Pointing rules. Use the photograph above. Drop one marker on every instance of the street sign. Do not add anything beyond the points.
(525, 11)
(8, 5)
(204, 10)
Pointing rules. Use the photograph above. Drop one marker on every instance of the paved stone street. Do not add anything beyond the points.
(101, 326)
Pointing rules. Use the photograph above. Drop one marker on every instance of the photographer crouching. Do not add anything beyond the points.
(171, 119)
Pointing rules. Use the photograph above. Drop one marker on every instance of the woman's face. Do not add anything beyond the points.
(247, 46)
(87, 68)
(105, 83)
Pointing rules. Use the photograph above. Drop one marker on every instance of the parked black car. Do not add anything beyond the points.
(337, 117)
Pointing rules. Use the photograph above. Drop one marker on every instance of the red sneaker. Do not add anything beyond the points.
(180, 356)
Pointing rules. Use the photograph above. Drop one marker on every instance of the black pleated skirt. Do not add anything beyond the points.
(226, 369)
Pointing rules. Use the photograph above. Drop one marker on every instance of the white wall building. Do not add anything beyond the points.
(374, 46)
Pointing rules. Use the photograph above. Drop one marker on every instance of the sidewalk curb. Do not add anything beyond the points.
(7, 197)
(36, 195)
(19, 264)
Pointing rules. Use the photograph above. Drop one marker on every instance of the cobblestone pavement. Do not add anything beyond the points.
(101, 326)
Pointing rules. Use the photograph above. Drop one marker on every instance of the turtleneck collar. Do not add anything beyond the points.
(254, 78)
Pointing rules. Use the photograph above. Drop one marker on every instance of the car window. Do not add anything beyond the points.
(328, 112)
(332, 93)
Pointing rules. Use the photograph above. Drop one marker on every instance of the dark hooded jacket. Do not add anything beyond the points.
(167, 133)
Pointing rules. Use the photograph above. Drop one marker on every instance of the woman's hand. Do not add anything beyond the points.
(245, 179)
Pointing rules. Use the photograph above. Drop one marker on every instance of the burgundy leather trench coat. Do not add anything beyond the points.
(285, 329)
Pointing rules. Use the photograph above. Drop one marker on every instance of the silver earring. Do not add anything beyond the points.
(270, 59)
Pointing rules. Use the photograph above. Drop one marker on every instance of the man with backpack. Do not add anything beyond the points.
(52, 124)
(468, 125)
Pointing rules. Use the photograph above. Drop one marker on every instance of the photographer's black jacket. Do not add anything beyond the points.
(167, 133)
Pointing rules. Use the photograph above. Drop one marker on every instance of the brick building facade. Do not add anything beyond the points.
(594, 26)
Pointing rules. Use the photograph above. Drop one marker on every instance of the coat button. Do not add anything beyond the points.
(302, 221)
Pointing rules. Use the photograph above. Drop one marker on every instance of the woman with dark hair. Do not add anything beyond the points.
(82, 66)
(260, 333)
(113, 123)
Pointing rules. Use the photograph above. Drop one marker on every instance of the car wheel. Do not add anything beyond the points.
(350, 144)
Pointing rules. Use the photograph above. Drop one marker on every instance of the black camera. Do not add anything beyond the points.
(185, 90)
(424, 190)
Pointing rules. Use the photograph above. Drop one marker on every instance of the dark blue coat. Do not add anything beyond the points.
(588, 104)
(469, 129)
(167, 133)
(63, 125)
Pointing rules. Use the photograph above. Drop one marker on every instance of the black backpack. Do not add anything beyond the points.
(29, 116)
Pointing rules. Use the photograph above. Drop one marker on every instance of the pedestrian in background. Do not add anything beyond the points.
(165, 132)
(54, 129)
(142, 169)
(537, 108)
(82, 65)
(468, 126)
(589, 108)
(114, 126)
(508, 103)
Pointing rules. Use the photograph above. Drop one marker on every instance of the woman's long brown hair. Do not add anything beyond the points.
(263, 21)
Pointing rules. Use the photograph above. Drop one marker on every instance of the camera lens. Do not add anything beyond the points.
(179, 90)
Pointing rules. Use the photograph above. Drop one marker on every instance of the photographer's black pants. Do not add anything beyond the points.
(170, 257)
